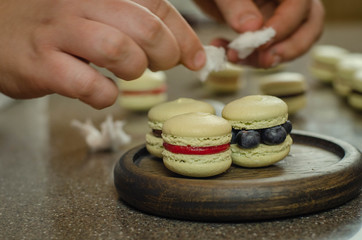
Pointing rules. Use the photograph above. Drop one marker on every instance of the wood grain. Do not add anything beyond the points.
(319, 173)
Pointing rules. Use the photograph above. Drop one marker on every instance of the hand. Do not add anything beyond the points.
(298, 24)
(47, 45)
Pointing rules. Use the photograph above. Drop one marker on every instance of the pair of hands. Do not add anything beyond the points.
(47, 45)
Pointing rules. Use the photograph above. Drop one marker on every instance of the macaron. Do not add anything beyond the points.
(346, 69)
(227, 80)
(291, 87)
(324, 60)
(355, 96)
(144, 92)
(197, 144)
(261, 130)
(158, 114)
(274, 69)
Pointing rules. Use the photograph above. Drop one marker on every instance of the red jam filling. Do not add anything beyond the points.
(196, 150)
(159, 90)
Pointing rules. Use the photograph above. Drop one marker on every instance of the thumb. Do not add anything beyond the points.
(241, 15)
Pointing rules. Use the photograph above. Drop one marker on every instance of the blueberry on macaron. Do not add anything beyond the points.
(261, 130)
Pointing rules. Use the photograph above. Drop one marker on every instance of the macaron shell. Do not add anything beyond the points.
(255, 112)
(322, 74)
(164, 111)
(147, 81)
(197, 165)
(154, 145)
(325, 58)
(295, 103)
(348, 65)
(230, 70)
(197, 124)
(355, 97)
(142, 102)
(225, 81)
(275, 69)
(282, 84)
(261, 156)
(341, 87)
(355, 100)
(328, 53)
(228, 85)
(357, 81)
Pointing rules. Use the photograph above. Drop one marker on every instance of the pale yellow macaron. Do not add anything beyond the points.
(158, 114)
(274, 69)
(260, 130)
(197, 144)
(228, 80)
(291, 87)
(346, 69)
(355, 96)
(324, 60)
(144, 92)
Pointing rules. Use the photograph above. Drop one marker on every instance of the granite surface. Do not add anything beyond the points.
(52, 187)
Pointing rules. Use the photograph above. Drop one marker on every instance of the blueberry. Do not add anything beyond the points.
(234, 132)
(287, 126)
(274, 135)
(248, 139)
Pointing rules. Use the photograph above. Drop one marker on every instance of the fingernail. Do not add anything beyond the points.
(243, 22)
(276, 60)
(199, 59)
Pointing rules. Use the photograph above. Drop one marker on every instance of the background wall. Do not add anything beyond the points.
(343, 10)
(336, 10)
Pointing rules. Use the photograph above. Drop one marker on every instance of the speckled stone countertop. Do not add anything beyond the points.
(52, 187)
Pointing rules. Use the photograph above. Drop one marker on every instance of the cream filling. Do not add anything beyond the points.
(255, 124)
(196, 141)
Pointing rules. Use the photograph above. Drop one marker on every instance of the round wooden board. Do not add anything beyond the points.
(319, 173)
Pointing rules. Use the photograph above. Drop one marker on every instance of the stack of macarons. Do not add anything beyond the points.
(252, 132)
(346, 69)
(260, 128)
(324, 61)
(342, 68)
(291, 87)
(228, 80)
(355, 96)
(144, 92)
(158, 114)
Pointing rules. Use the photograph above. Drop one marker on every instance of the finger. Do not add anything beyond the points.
(288, 16)
(232, 55)
(192, 52)
(102, 45)
(220, 42)
(267, 8)
(70, 77)
(146, 29)
(241, 15)
(299, 42)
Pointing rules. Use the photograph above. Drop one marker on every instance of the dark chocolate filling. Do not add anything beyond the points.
(356, 91)
(292, 95)
(157, 133)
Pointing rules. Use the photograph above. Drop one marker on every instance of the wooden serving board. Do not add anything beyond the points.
(319, 173)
